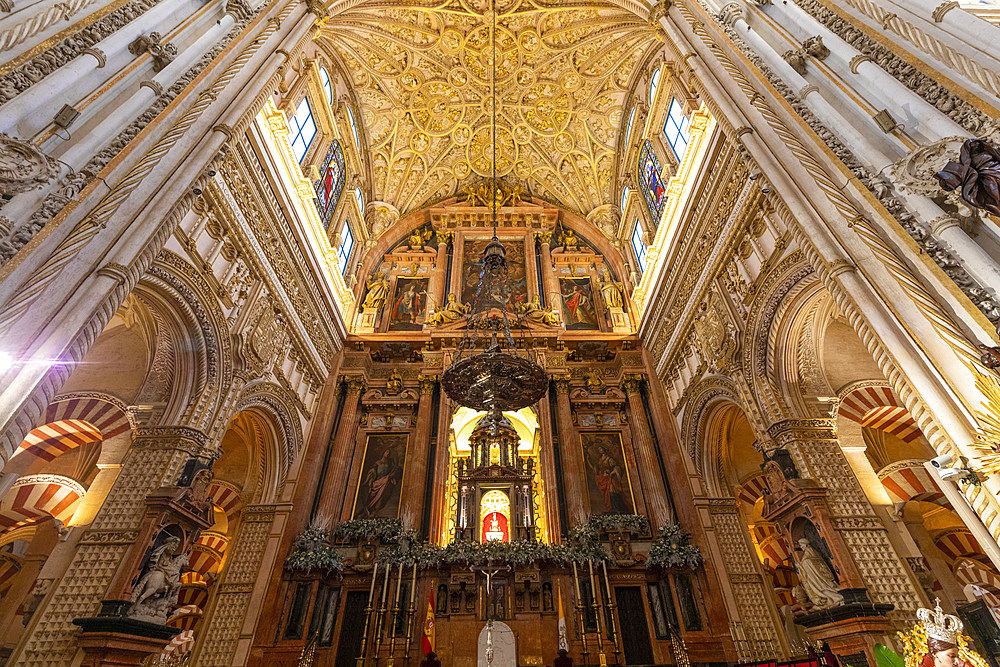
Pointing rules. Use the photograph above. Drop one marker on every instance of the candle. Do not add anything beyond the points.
(607, 582)
(385, 584)
(413, 583)
(593, 586)
(576, 580)
(371, 591)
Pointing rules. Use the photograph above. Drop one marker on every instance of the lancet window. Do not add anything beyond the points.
(331, 183)
(651, 181)
(303, 129)
(676, 129)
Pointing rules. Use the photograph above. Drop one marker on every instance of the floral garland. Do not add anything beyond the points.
(383, 530)
(311, 550)
(589, 530)
(672, 548)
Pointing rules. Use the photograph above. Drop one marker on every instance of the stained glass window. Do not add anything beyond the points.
(331, 183)
(651, 182)
(638, 246)
(354, 128)
(303, 129)
(654, 83)
(324, 78)
(346, 246)
(676, 129)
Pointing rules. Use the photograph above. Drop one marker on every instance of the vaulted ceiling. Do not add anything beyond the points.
(422, 72)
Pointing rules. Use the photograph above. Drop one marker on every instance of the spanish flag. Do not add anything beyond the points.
(429, 626)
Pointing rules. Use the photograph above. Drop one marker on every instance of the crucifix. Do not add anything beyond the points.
(489, 592)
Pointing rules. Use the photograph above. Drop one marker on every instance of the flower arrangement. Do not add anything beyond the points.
(672, 548)
(311, 550)
(383, 530)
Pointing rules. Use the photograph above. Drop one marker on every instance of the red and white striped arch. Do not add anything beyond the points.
(879, 408)
(909, 480)
(752, 488)
(10, 565)
(955, 544)
(69, 424)
(971, 571)
(180, 644)
(226, 496)
(36, 497)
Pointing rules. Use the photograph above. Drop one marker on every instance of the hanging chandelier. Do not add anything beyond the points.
(496, 379)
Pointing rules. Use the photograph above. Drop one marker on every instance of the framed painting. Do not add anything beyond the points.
(608, 484)
(406, 312)
(579, 311)
(472, 267)
(381, 476)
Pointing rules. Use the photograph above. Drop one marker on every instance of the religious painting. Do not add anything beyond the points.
(381, 476)
(472, 267)
(607, 477)
(330, 185)
(651, 182)
(579, 312)
(406, 311)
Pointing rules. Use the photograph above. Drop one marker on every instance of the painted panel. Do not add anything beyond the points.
(607, 477)
(578, 304)
(381, 476)
(406, 312)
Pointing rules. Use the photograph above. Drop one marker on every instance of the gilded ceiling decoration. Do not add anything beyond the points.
(422, 75)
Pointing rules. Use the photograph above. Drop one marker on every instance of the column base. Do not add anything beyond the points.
(116, 641)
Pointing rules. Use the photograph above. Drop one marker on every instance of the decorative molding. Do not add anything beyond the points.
(99, 55)
(857, 60)
(23, 167)
(162, 53)
(942, 9)
(153, 86)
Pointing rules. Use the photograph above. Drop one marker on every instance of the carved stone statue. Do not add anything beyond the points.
(595, 383)
(419, 237)
(452, 312)
(817, 579)
(610, 290)
(378, 292)
(534, 312)
(159, 584)
(976, 175)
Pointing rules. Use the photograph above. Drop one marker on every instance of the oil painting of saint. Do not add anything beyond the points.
(407, 310)
(381, 474)
(472, 267)
(578, 304)
(607, 476)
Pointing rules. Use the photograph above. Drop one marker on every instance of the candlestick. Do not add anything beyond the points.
(410, 614)
(595, 595)
(380, 619)
(580, 620)
(612, 607)
(394, 613)
(360, 661)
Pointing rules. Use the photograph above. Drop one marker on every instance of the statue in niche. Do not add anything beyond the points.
(159, 584)
(419, 237)
(595, 383)
(569, 241)
(610, 290)
(452, 311)
(817, 577)
(394, 385)
(378, 292)
(533, 311)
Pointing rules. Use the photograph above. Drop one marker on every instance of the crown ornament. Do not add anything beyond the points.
(939, 625)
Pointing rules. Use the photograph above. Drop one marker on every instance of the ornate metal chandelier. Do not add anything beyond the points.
(497, 378)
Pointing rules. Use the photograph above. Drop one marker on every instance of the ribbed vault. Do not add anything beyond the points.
(422, 71)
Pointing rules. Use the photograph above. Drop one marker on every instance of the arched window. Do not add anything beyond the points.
(354, 128)
(625, 192)
(638, 246)
(360, 196)
(324, 78)
(676, 129)
(651, 182)
(628, 127)
(330, 185)
(303, 129)
(345, 247)
(654, 83)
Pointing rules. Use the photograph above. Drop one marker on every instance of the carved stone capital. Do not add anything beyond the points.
(379, 216)
(732, 12)
(939, 225)
(100, 56)
(427, 383)
(605, 218)
(543, 237)
(355, 384)
(445, 237)
(562, 384)
(632, 383)
(23, 167)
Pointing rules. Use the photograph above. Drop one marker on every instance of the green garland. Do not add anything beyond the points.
(311, 550)
(672, 548)
(383, 530)
(589, 530)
